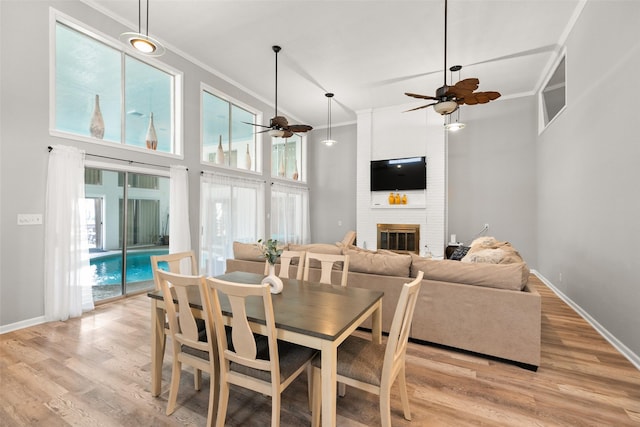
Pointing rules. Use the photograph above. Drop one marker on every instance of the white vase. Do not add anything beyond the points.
(295, 173)
(151, 138)
(96, 127)
(274, 281)
(220, 156)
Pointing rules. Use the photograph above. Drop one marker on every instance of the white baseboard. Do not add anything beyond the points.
(626, 352)
(22, 324)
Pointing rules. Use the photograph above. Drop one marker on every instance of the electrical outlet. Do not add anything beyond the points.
(486, 226)
(29, 219)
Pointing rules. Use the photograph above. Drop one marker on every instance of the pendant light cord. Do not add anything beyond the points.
(445, 43)
(147, 28)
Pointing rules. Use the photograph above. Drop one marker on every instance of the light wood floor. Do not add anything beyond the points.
(95, 371)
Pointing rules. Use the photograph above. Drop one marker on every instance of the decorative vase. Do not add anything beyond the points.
(392, 199)
(295, 173)
(220, 156)
(404, 199)
(96, 127)
(151, 138)
(248, 159)
(281, 170)
(397, 199)
(274, 281)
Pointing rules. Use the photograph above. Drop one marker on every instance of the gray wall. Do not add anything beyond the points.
(332, 184)
(588, 174)
(492, 174)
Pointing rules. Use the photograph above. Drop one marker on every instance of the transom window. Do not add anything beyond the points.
(103, 94)
(228, 138)
(287, 158)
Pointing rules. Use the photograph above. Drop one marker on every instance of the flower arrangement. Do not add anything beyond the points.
(270, 250)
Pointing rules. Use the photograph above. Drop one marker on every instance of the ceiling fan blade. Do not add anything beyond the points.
(468, 84)
(255, 124)
(287, 134)
(299, 128)
(416, 95)
(419, 108)
(480, 97)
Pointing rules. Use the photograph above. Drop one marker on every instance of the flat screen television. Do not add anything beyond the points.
(409, 173)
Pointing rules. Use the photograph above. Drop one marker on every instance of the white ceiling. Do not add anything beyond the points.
(367, 52)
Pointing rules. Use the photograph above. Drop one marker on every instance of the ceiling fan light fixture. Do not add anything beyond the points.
(454, 127)
(445, 107)
(142, 43)
(329, 142)
(276, 133)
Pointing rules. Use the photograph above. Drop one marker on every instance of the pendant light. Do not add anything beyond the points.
(329, 142)
(142, 42)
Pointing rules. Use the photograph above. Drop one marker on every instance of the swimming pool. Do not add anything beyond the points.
(107, 269)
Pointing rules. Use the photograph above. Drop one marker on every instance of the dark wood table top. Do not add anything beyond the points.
(323, 311)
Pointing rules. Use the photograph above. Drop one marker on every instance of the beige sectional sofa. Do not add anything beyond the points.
(483, 307)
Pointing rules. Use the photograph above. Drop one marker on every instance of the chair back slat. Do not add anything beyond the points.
(179, 263)
(326, 263)
(286, 261)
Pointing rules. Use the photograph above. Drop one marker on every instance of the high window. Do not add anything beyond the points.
(553, 96)
(103, 94)
(228, 138)
(287, 158)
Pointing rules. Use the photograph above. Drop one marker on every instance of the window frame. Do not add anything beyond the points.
(542, 123)
(55, 17)
(257, 160)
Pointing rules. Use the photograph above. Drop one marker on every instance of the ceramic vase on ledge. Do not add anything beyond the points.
(151, 138)
(274, 281)
(96, 127)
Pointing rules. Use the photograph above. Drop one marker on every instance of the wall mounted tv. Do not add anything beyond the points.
(399, 174)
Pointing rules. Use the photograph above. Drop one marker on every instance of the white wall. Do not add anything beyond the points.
(588, 175)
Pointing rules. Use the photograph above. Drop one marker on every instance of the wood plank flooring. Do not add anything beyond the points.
(94, 371)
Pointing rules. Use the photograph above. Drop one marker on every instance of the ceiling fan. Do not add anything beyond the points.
(449, 98)
(279, 126)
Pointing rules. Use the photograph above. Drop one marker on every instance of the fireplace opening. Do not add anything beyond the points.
(401, 238)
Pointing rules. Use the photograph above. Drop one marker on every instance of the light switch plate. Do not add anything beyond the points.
(29, 219)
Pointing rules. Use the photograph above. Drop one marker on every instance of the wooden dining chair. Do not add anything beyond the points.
(286, 260)
(326, 263)
(191, 345)
(375, 367)
(268, 371)
(179, 263)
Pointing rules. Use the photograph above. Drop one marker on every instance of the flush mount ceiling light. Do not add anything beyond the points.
(329, 141)
(142, 42)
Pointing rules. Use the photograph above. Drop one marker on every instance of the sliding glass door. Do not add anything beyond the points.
(128, 220)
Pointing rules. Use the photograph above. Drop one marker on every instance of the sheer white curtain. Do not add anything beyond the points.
(290, 214)
(179, 231)
(231, 209)
(67, 278)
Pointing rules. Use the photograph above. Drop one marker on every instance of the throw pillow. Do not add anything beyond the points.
(459, 253)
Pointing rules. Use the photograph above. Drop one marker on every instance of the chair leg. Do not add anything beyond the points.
(342, 389)
(385, 406)
(404, 396)
(223, 401)
(197, 379)
(275, 409)
(310, 386)
(317, 398)
(175, 385)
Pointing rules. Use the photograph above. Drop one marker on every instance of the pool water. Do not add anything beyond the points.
(107, 270)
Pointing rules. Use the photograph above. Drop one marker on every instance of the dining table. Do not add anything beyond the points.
(315, 315)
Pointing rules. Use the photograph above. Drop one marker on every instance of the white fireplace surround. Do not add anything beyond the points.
(389, 133)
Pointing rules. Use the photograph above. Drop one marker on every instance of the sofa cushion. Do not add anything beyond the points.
(250, 251)
(319, 248)
(385, 263)
(512, 276)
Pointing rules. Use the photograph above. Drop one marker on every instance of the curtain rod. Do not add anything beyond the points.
(122, 160)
